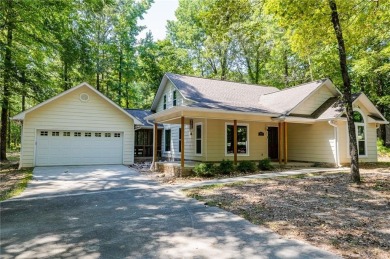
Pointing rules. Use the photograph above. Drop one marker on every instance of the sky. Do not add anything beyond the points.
(157, 16)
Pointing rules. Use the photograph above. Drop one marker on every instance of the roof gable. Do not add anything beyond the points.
(286, 100)
(21, 116)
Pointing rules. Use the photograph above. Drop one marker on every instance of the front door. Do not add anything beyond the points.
(273, 145)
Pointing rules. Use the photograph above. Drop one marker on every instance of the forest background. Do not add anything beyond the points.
(48, 46)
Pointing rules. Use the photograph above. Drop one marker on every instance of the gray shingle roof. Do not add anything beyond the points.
(285, 100)
(140, 115)
(336, 109)
(217, 94)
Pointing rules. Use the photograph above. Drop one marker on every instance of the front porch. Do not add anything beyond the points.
(210, 136)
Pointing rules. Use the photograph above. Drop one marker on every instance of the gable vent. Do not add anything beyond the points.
(84, 97)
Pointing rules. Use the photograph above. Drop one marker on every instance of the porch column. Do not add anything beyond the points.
(182, 145)
(235, 141)
(280, 142)
(285, 143)
(155, 144)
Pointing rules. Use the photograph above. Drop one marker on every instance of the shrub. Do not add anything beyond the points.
(205, 170)
(226, 167)
(265, 164)
(246, 166)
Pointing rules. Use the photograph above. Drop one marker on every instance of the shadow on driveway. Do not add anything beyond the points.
(137, 220)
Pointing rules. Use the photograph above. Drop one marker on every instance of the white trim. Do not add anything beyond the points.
(356, 133)
(247, 136)
(201, 138)
(20, 116)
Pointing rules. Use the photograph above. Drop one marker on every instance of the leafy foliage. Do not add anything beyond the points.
(246, 166)
(205, 170)
(265, 164)
(226, 166)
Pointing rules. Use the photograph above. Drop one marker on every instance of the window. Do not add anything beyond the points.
(167, 140)
(66, 134)
(165, 102)
(242, 139)
(117, 135)
(98, 134)
(174, 98)
(179, 139)
(360, 128)
(55, 133)
(198, 138)
(87, 134)
(43, 133)
(77, 134)
(107, 135)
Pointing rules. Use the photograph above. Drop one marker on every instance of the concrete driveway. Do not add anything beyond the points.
(113, 212)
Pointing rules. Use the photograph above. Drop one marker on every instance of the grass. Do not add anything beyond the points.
(19, 186)
(13, 181)
(382, 149)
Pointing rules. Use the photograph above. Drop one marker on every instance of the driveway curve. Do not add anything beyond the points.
(114, 212)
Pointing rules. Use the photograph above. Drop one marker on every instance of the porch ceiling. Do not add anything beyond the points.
(173, 115)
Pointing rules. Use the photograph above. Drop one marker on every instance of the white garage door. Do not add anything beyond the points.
(78, 148)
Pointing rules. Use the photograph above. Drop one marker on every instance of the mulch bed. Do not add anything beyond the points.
(325, 210)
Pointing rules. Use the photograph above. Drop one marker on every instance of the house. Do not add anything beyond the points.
(211, 120)
(80, 126)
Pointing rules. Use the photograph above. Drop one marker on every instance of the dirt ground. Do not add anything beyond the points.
(325, 210)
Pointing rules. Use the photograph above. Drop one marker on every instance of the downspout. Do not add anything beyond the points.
(336, 138)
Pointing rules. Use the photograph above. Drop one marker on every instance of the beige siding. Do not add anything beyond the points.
(69, 113)
(216, 138)
(311, 142)
(371, 137)
(314, 101)
(168, 91)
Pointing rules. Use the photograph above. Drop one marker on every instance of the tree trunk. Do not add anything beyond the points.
(66, 76)
(286, 68)
(23, 91)
(7, 82)
(120, 78)
(347, 94)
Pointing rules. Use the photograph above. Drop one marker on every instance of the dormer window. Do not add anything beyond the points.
(174, 98)
(165, 102)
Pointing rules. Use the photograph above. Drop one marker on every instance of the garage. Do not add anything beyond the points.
(80, 126)
(56, 147)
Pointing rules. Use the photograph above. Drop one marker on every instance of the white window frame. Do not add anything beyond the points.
(247, 137)
(165, 102)
(201, 138)
(364, 124)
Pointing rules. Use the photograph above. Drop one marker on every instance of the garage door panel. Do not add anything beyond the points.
(78, 148)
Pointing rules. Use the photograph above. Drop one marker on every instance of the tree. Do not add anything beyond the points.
(347, 92)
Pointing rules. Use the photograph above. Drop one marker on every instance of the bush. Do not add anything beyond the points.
(205, 170)
(246, 166)
(265, 164)
(226, 167)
